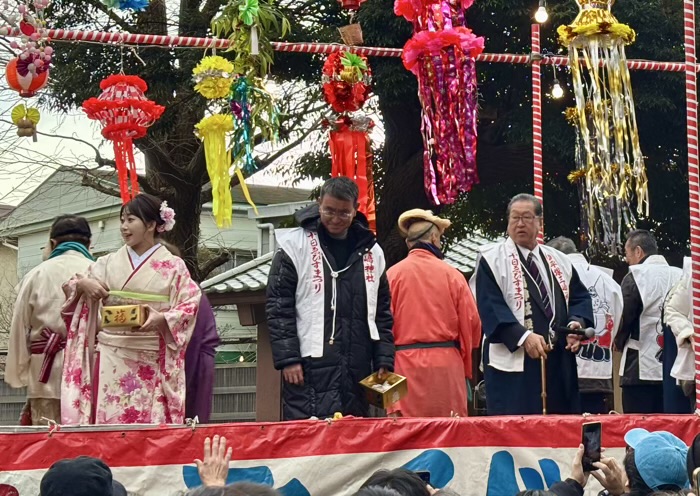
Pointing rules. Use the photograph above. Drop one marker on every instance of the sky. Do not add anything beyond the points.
(24, 164)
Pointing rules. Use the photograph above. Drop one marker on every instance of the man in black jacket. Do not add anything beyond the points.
(328, 307)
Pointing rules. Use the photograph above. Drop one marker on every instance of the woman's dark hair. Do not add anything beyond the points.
(404, 481)
(144, 206)
(67, 228)
(237, 489)
(377, 491)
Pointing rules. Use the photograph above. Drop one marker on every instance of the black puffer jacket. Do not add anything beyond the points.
(331, 383)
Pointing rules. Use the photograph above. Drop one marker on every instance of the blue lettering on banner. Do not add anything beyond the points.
(503, 482)
(437, 462)
(258, 475)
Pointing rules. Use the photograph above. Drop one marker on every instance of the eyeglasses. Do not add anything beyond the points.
(329, 213)
(527, 219)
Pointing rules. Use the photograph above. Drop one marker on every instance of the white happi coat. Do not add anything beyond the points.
(504, 261)
(654, 279)
(304, 249)
(606, 296)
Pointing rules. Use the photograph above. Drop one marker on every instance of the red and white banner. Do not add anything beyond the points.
(492, 456)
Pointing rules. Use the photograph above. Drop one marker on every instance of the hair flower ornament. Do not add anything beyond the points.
(168, 216)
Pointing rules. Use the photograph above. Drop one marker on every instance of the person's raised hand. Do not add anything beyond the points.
(535, 346)
(611, 476)
(577, 472)
(213, 471)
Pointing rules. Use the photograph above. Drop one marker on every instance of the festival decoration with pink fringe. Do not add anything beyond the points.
(442, 55)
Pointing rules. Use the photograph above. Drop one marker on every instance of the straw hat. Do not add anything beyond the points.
(417, 214)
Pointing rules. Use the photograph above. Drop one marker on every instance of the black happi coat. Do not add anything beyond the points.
(331, 382)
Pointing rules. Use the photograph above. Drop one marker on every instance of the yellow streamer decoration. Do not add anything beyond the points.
(610, 166)
(246, 193)
(212, 131)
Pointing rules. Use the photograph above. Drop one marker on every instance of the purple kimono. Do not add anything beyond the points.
(199, 364)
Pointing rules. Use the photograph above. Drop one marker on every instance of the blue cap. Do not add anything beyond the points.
(660, 458)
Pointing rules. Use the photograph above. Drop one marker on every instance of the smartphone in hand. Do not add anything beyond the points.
(591, 435)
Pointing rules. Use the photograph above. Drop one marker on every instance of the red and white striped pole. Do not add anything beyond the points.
(537, 118)
(691, 77)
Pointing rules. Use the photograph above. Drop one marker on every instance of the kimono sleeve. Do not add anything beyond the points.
(184, 303)
(497, 319)
(580, 303)
(18, 356)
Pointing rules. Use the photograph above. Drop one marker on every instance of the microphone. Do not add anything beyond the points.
(587, 333)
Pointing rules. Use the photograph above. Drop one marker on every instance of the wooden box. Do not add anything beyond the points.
(124, 316)
(384, 399)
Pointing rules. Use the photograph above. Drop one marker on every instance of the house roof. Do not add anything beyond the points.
(5, 210)
(63, 192)
(252, 276)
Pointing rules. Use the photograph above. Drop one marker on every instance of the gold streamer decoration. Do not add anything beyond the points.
(610, 168)
(212, 131)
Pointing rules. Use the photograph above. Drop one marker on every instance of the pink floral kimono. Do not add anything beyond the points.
(130, 376)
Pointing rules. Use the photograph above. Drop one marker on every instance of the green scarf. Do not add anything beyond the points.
(71, 246)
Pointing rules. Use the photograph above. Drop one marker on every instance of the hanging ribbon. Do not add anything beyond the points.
(212, 131)
(351, 155)
(244, 188)
(442, 54)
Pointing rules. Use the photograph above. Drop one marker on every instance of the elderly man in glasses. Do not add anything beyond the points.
(527, 295)
(328, 307)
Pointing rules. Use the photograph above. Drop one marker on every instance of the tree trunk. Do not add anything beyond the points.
(188, 209)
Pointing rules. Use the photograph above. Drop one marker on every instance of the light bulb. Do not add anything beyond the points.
(557, 90)
(241, 358)
(541, 15)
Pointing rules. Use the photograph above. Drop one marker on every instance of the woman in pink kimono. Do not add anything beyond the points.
(133, 375)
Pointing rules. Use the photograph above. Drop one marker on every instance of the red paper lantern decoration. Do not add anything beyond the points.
(20, 79)
(125, 113)
(351, 4)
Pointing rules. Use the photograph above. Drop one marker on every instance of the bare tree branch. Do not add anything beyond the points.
(221, 258)
(99, 185)
(99, 160)
(112, 16)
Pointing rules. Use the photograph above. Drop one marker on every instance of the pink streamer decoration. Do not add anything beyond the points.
(442, 55)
